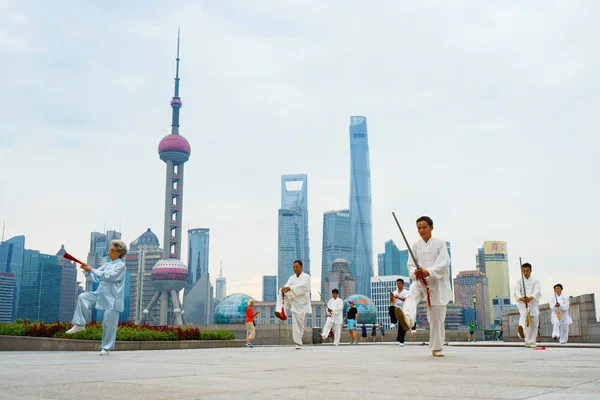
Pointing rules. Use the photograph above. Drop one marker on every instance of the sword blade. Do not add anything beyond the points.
(406, 242)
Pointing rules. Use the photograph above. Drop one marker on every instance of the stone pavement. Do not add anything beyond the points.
(364, 371)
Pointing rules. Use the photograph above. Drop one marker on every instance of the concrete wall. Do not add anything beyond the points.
(584, 329)
(24, 343)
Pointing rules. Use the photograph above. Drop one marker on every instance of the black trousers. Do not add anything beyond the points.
(394, 320)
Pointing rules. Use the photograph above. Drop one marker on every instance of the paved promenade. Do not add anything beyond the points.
(364, 371)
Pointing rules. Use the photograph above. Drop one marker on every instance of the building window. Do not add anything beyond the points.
(495, 302)
(271, 315)
(507, 301)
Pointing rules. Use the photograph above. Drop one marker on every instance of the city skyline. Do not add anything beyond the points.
(495, 112)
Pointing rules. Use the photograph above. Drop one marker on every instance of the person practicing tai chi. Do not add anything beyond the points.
(295, 295)
(109, 297)
(335, 307)
(429, 267)
(527, 294)
(397, 298)
(559, 304)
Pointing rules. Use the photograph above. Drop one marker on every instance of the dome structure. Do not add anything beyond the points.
(148, 237)
(169, 274)
(367, 313)
(174, 148)
(232, 309)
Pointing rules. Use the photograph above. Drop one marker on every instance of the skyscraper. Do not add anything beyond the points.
(496, 270)
(360, 204)
(380, 266)
(40, 299)
(469, 286)
(395, 260)
(11, 260)
(7, 291)
(68, 286)
(337, 242)
(269, 287)
(340, 278)
(293, 241)
(221, 285)
(480, 260)
(170, 274)
(198, 248)
(144, 253)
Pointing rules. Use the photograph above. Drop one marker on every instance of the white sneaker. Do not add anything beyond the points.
(298, 347)
(401, 344)
(103, 352)
(437, 353)
(75, 329)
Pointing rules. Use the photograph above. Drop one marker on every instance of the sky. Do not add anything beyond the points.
(480, 115)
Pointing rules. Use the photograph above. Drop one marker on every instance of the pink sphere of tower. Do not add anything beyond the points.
(174, 148)
(169, 274)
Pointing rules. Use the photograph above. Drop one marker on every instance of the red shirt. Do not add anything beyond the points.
(249, 314)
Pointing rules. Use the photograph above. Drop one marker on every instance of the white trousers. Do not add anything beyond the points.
(436, 316)
(561, 331)
(298, 324)
(337, 330)
(531, 331)
(83, 314)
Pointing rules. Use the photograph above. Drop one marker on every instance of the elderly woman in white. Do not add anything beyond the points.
(110, 296)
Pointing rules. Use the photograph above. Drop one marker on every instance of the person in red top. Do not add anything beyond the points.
(250, 314)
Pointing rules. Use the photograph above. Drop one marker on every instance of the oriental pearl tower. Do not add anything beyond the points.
(169, 275)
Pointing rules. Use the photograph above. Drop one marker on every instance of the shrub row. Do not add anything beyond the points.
(126, 331)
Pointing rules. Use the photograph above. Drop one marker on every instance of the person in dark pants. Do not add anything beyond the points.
(397, 299)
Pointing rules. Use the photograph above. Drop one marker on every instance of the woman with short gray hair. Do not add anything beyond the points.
(109, 297)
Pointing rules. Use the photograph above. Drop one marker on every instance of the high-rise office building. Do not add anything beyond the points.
(198, 246)
(293, 243)
(480, 260)
(11, 260)
(269, 287)
(337, 242)
(360, 204)
(7, 291)
(220, 285)
(496, 270)
(144, 253)
(68, 286)
(340, 278)
(197, 302)
(395, 261)
(472, 292)
(40, 299)
(381, 264)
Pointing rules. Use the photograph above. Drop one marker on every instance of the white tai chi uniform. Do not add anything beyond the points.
(298, 301)
(560, 328)
(336, 320)
(532, 289)
(110, 297)
(433, 256)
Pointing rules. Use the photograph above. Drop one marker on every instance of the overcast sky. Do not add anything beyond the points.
(483, 116)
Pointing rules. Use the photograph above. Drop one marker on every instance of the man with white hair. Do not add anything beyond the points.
(109, 297)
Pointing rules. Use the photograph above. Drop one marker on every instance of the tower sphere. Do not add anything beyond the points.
(169, 274)
(174, 148)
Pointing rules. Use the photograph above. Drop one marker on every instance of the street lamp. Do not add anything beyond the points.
(475, 308)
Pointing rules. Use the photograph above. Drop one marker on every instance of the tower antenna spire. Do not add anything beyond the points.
(176, 101)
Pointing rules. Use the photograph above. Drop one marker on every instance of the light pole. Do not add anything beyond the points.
(475, 308)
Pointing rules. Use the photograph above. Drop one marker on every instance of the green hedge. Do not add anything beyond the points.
(126, 331)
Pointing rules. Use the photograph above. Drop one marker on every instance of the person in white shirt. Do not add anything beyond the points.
(296, 297)
(527, 293)
(397, 298)
(335, 319)
(434, 262)
(559, 304)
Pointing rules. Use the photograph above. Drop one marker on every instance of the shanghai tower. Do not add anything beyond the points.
(360, 205)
